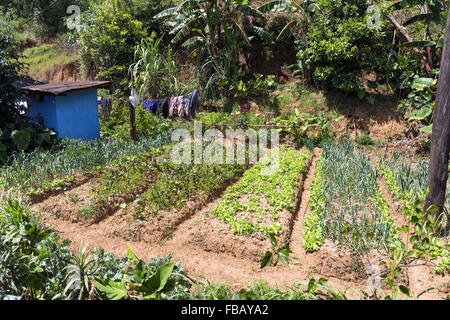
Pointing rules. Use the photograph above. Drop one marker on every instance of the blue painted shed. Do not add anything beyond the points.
(70, 108)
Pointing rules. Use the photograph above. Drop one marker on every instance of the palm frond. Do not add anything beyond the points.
(286, 30)
(250, 11)
(166, 13)
(260, 32)
(241, 32)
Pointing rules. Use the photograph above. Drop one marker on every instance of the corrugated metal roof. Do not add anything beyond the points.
(62, 87)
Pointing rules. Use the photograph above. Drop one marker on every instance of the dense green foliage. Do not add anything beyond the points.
(48, 13)
(215, 33)
(109, 36)
(37, 265)
(16, 133)
(339, 46)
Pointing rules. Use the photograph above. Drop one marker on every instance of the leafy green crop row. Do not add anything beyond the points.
(124, 179)
(181, 183)
(263, 195)
(346, 203)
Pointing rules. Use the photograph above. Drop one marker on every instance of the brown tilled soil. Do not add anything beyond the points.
(66, 204)
(207, 247)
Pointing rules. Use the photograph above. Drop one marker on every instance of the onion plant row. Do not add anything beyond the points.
(411, 178)
(346, 204)
(255, 203)
(33, 170)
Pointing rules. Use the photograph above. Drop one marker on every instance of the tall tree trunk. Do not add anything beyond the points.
(440, 143)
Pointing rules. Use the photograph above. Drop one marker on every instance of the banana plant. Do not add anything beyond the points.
(431, 12)
(214, 32)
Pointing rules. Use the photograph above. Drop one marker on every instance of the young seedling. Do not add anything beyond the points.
(282, 254)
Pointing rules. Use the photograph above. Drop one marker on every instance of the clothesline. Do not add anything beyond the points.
(181, 106)
(251, 126)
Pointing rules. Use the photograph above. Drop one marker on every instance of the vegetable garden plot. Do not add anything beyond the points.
(260, 204)
(180, 192)
(120, 182)
(69, 164)
(153, 194)
(406, 183)
(412, 179)
(346, 204)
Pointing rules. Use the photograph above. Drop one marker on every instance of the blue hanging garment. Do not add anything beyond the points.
(151, 105)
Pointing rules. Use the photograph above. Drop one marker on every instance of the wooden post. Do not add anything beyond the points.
(132, 122)
(132, 113)
(440, 141)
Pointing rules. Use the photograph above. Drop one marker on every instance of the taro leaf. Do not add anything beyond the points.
(421, 114)
(273, 240)
(2, 147)
(21, 139)
(427, 129)
(267, 259)
(283, 255)
(422, 83)
(157, 281)
(113, 290)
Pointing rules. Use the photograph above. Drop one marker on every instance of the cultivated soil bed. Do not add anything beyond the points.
(207, 247)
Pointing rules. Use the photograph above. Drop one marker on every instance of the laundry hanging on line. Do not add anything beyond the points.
(106, 104)
(191, 103)
(181, 106)
(150, 105)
